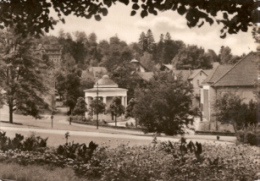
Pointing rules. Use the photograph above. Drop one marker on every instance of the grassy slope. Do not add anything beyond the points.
(13, 171)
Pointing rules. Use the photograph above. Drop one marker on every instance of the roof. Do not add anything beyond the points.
(197, 71)
(216, 73)
(208, 71)
(184, 73)
(105, 81)
(55, 46)
(169, 66)
(98, 69)
(194, 73)
(146, 75)
(86, 74)
(2, 91)
(243, 73)
(134, 61)
(105, 89)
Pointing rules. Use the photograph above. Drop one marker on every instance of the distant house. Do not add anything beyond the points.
(138, 66)
(196, 79)
(239, 79)
(98, 72)
(87, 75)
(53, 51)
(147, 76)
(166, 67)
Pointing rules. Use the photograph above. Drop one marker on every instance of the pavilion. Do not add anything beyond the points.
(105, 89)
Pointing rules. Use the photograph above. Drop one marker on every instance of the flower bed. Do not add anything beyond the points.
(179, 161)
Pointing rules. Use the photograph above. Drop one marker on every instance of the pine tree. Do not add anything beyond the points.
(168, 37)
(150, 41)
(159, 50)
(143, 42)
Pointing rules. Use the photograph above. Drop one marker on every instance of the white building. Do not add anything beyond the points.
(106, 89)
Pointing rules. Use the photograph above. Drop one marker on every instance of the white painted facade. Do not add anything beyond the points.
(105, 89)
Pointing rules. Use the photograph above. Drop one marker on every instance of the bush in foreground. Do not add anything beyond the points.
(180, 161)
(173, 161)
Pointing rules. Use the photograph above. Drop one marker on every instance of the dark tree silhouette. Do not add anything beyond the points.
(33, 16)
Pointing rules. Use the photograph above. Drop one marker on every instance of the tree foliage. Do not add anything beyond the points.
(230, 108)
(80, 107)
(33, 16)
(116, 108)
(192, 57)
(72, 89)
(125, 77)
(97, 106)
(24, 75)
(164, 106)
(130, 108)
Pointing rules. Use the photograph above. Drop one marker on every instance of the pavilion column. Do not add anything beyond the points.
(86, 100)
(122, 101)
(105, 99)
(125, 101)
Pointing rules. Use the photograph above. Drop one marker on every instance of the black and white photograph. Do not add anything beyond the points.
(129, 90)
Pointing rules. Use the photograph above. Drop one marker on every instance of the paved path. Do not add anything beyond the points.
(26, 125)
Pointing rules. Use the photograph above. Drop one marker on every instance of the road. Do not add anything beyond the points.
(26, 125)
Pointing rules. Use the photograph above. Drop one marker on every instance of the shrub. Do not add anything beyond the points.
(78, 118)
(251, 138)
(249, 135)
(172, 161)
(77, 151)
(33, 143)
(29, 144)
(180, 161)
(132, 124)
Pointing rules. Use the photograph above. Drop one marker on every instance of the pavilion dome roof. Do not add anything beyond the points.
(105, 81)
(134, 61)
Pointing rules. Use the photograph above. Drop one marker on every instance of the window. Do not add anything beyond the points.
(198, 82)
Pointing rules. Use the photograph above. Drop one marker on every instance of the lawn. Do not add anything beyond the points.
(14, 171)
(55, 140)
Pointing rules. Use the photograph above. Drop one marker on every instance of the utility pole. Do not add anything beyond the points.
(97, 105)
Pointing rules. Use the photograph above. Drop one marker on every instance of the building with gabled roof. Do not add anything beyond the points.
(147, 76)
(138, 66)
(239, 79)
(53, 51)
(98, 72)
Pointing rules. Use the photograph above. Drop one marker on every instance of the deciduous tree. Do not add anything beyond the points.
(165, 105)
(80, 107)
(34, 17)
(97, 107)
(116, 108)
(225, 55)
(231, 109)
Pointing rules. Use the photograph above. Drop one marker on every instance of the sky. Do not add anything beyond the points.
(128, 28)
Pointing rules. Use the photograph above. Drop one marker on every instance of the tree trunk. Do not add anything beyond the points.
(235, 128)
(10, 113)
(115, 121)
